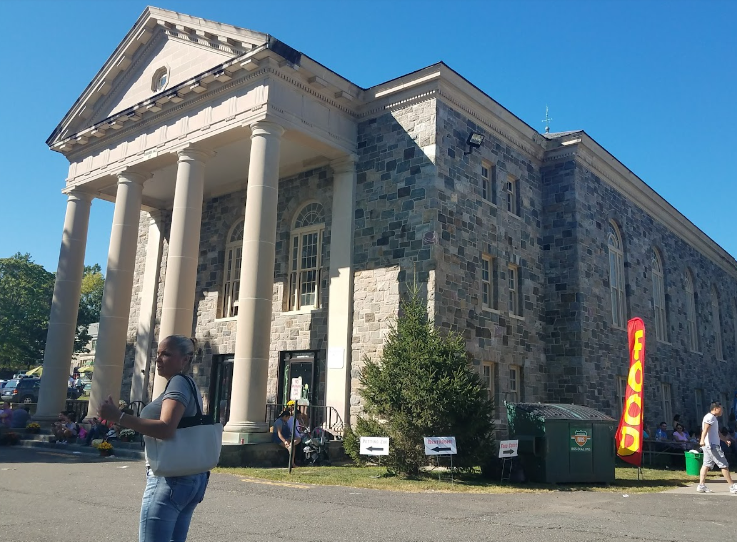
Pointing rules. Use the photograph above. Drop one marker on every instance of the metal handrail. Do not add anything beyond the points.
(323, 416)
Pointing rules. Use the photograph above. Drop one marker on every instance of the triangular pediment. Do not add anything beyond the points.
(160, 42)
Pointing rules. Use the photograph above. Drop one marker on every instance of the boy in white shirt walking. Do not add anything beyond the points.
(713, 454)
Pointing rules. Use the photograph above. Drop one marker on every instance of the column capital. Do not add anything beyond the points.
(78, 195)
(133, 176)
(190, 153)
(345, 164)
(266, 128)
(154, 216)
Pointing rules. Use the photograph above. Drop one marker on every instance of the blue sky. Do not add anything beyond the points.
(653, 82)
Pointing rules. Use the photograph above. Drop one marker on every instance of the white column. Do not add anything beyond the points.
(253, 335)
(116, 295)
(146, 318)
(64, 308)
(180, 282)
(340, 294)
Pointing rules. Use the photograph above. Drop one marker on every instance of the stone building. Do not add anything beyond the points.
(275, 210)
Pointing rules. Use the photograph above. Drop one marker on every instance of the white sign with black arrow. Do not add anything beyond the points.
(508, 448)
(374, 446)
(440, 446)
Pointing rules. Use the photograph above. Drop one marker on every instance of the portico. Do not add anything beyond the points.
(253, 112)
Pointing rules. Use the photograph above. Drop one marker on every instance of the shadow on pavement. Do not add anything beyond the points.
(14, 454)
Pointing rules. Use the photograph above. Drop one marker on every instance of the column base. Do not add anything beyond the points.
(230, 438)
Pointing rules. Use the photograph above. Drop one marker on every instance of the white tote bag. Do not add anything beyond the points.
(195, 447)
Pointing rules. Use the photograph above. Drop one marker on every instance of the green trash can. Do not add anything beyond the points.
(561, 443)
(693, 463)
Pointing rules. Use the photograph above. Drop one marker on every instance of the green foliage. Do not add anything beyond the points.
(90, 304)
(26, 290)
(424, 386)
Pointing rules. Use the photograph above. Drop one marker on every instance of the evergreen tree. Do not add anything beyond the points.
(423, 386)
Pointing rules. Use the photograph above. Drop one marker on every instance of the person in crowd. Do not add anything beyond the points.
(281, 433)
(299, 431)
(646, 431)
(20, 417)
(676, 421)
(710, 442)
(680, 435)
(168, 502)
(97, 431)
(694, 437)
(727, 442)
(5, 415)
(661, 433)
(65, 429)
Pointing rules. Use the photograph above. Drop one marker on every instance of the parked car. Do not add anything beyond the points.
(21, 390)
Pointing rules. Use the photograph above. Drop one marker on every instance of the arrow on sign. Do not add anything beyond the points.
(372, 449)
(439, 449)
(507, 452)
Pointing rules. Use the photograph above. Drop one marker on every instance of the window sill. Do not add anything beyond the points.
(618, 328)
(494, 205)
(661, 341)
(697, 352)
(228, 319)
(516, 317)
(489, 309)
(307, 310)
(518, 217)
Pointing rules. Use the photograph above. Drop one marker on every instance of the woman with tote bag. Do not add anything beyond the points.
(182, 445)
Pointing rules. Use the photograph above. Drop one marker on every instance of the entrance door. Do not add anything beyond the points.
(297, 369)
(221, 387)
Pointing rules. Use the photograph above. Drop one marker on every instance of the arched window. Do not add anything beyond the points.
(717, 323)
(305, 256)
(693, 335)
(616, 276)
(661, 322)
(232, 271)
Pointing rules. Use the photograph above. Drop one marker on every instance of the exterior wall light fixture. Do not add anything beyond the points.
(474, 142)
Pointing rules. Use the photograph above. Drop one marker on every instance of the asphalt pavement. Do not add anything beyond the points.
(62, 497)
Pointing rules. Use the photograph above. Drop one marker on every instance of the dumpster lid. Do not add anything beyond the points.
(561, 412)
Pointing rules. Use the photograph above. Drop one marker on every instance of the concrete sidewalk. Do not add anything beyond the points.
(718, 486)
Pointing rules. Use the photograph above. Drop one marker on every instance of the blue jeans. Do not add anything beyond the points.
(168, 505)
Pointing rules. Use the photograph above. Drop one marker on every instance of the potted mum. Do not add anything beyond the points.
(126, 435)
(10, 438)
(105, 448)
(33, 427)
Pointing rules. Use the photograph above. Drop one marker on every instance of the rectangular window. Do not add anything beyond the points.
(488, 182)
(488, 282)
(513, 281)
(667, 402)
(487, 377)
(716, 315)
(515, 384)
(659, 306)
(621, 392)
(512, 190)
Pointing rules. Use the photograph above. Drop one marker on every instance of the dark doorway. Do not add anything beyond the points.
(293, 366)
(221, 387)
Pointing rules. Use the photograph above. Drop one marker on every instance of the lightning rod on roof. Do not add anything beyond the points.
(547, 120)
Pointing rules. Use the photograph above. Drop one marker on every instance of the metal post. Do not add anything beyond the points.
(291, 443)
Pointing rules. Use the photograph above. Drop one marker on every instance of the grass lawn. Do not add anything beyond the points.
(655, 480)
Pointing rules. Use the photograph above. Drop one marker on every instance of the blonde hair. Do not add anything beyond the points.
(186, 346)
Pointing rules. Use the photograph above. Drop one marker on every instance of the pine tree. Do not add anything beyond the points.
(423, 386)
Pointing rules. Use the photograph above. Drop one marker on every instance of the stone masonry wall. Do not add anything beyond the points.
(670, 362)
(394, 216)
(469, 226)
(563, 298)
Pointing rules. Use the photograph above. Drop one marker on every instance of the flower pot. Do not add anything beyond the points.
(106, 453)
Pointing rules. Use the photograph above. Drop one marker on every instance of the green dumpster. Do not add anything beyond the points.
(693, 463)
(563, 443)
